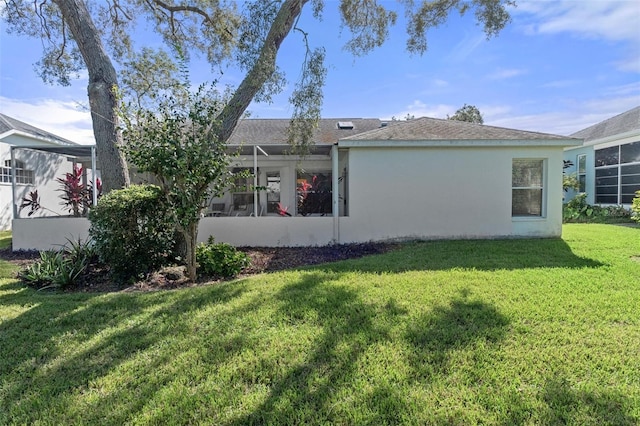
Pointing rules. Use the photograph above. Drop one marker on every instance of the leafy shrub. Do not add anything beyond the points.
(59, 269)
(132, 231)
(578, 210)
(635, 207)
(220, 259)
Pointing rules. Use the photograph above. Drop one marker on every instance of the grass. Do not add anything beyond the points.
(507, 332)
(5, 239)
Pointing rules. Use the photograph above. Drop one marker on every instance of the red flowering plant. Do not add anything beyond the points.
(314, 197)
(76, 196)
(282, 210)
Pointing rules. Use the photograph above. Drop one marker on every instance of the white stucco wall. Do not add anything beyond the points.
(47, 167)
(445, 193)
(392, 194)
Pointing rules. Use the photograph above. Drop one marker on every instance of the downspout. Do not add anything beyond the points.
(255, 180)
(13, 184)
(93, 175)
(335, 185)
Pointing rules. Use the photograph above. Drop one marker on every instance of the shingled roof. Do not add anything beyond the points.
(621, 123)
(8, 124)
(432, 129)
(274, 131)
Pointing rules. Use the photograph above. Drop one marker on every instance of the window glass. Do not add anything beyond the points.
(630, 153)
(527, 173)
(527, 180)
(582, 163)
(313, 191)
(607, 156)
(273, 191)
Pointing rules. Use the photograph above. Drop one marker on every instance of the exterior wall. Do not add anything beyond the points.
(445, 193)
(46, 166)
(589, 149)
(268, 231)
(422, 193)
(51, 233)
(48, 233)
(590, 183)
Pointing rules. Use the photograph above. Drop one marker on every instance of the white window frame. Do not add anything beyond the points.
(24, 176)
(581, 172)
(542, 188)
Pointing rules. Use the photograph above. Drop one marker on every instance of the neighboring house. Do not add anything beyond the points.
(607, 165)
(34, 169)
(368, 180)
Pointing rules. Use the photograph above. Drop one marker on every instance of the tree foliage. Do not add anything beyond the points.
(247, 36)
(468, 113)
(178, 143)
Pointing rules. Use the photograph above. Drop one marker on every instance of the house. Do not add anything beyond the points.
(369, 180)
(607, 165)
(37, 166)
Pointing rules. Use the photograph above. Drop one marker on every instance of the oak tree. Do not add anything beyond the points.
(100, 37)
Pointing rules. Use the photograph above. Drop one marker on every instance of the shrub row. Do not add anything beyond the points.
(132, 232)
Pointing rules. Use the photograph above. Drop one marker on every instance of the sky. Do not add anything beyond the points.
(558, 67)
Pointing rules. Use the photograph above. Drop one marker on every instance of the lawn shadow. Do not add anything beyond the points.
(566, 406)
(460, 324)
(482, 255)
(349, 327)
(119, 326)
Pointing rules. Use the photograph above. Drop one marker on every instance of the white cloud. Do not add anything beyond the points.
(65, 119)
(419, 109)
(502, 74)
(566, 119)
(607, 19)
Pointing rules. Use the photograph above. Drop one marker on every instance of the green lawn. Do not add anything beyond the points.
(465, 332)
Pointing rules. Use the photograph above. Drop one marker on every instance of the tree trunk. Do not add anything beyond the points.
(191, 239)
(102, 99)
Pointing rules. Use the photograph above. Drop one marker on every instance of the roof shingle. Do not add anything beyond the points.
(425, 129)
(621, 123)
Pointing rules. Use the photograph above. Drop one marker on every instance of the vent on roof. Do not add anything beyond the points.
(345, 125)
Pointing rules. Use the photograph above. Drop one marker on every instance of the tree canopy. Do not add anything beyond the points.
(101, 37)
(468, 113)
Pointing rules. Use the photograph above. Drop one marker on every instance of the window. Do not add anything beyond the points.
(313, 191)
(527, 187)
(23, 175)
(582, 173)
(273, 191)
(242, 195)
(617, 173)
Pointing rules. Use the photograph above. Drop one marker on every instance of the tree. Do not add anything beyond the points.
(178, 143)
(249, 38)
(468, 113)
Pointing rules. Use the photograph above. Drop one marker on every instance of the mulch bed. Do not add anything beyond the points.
(263, 259)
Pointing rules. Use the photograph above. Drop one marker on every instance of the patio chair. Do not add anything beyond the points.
(215, 210)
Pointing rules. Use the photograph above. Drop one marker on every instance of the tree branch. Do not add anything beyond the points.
(263, 68)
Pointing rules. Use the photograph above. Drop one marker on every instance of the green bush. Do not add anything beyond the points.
(220, 259)
(578, 210)
(635, 207)
(59, 269)
(132, 231)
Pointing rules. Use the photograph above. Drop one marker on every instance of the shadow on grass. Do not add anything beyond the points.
(482, 255)
(566, 406)
(37, 371)
(349, 327)
(461, 324)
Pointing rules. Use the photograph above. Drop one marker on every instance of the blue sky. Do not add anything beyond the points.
(558, 67)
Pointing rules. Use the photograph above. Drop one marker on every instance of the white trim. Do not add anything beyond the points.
(56, 142)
